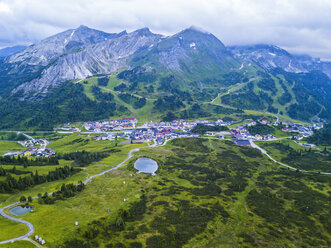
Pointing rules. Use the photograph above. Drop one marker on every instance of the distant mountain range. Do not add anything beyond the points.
(193, 66)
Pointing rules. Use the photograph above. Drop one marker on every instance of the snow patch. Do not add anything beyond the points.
(72, 33)
(272, 54)
(192, 45)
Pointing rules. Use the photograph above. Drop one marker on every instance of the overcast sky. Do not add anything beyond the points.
(300, 26)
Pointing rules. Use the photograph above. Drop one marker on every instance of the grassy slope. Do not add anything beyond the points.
(256, 89)
(10, 229)
(147, 112)
(311, 161)
(19, 244)
(9, 147)
(143, 114)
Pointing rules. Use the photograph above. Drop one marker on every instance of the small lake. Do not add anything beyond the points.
(146, 165)
(18, 210)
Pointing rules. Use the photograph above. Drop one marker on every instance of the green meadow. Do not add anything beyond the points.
(293, 154)
(206, 193)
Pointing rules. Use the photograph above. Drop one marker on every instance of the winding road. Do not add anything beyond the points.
(282, 164)
(29, 225)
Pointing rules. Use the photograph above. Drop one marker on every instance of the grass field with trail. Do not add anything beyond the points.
(10, 146)
(206, 193)
(293, 154)
(10, 229)
(19, 244)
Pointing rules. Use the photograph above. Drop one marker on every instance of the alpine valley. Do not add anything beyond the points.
(84, 74)
(140, 140)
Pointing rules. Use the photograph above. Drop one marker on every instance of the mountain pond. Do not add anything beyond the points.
(19, 210)
(146, 165)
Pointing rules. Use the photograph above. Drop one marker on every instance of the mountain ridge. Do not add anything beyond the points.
(184, 74)
(82, 52)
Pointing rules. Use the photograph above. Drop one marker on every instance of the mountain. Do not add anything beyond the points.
(270, 57)
(79, 53)
(189, 74)
(192, 52)
(7, 51)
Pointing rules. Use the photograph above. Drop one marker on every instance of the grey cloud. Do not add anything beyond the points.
(301, 26)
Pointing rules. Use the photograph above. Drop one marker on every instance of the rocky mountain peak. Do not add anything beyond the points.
(143, 31)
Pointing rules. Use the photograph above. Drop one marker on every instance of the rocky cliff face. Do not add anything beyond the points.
(77, 54)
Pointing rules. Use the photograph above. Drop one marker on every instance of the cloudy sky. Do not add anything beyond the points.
(301, 26)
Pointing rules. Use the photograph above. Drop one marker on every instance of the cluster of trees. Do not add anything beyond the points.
(202, 129)
(102, 96)
(260, 129)
(11, 184)
(41, 161)
(136, 102)
(103, 81)
(168, 103)
(120, 87)
(12, 136)
(83, 158)
(5, 172)
(267, 84)
(24, 199)
(244, 99)
(66, 191)
(137, 75)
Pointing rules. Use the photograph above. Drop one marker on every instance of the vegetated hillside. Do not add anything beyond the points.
(301, 96)
(171, 73)
(66, 103)
(298, 156)
(214, 194)
(321, 137)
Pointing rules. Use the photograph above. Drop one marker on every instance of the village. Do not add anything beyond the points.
(35, 148)
(160, 131)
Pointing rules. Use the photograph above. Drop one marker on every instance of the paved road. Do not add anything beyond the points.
(282, 164)
(114, 168)
(28, 224)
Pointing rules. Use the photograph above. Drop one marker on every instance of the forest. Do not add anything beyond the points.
(11, 184)
(321, 137)
(261, 129)
(25, 161)
(202, 129)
